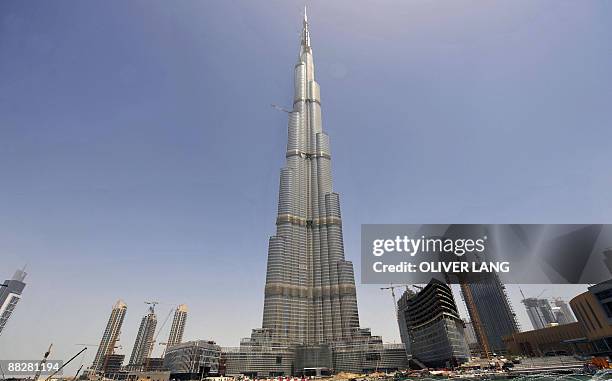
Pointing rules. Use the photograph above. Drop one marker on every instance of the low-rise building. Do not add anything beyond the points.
(193, 360)
(148, 376)
(554, 340)
(361, 354)
(590, 335)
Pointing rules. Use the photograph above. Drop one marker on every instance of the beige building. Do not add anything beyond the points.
(593, 309)
(591, 335)
(547, 341)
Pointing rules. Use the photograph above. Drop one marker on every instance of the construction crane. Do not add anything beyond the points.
(77, 373)
(64, 364)
(165, 345)
(161, 328)
(470, 304)
(392, 288)
(111, 349)
(524, 297)
(475, 316)
(280, 108)
(96, 345)
(152, 305)
(152, 309)
(536, 310)
(43, 362)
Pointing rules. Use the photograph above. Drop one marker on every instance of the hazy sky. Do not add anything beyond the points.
(139, 154)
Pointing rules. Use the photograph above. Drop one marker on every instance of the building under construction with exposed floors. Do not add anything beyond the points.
(104, 359)
(434, 333)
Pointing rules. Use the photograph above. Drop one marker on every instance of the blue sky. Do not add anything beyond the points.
(139, 154)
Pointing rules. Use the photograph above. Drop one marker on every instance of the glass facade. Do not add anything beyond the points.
(193, 360)
(10, 295)
(434, 331)
(493, 311)
(110, 337)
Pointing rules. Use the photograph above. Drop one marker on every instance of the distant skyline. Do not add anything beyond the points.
(140, 156)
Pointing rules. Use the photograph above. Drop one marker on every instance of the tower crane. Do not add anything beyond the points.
(43, 362)
(111, 349)
(152, 305)
(152, 309)
(470, 303)
(280, 108)
(162, 327)
(392, 288)
(97, 345)
(165, 345)
(475, 316)
(536, 310)
(524, 297)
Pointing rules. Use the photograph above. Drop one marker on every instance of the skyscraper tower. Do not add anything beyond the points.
(144, 340)
(539, 311)
(178, 326)
(492, 310)
(10, 294)
(564, 313)
(110, 335)
(310, 288)
(310, 317)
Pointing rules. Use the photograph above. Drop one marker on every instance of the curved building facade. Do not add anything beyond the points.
(193, 360)
(435, 333)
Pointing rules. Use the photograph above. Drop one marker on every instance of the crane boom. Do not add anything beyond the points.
(473, 312)
(43, 362)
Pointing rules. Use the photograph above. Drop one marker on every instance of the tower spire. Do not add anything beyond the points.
(310, 293)
(310, 301)
(305, 31)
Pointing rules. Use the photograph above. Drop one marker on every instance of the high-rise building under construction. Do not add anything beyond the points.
(178, 326)
(540, 312)
(491, 312)
(563, 312)
(110, 336)
(434, 333)
(143, 346)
